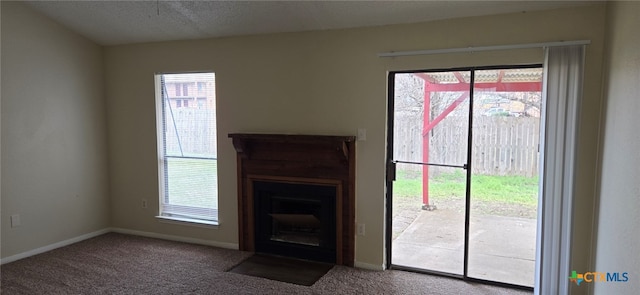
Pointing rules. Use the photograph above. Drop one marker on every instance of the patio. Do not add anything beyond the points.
(501, 248)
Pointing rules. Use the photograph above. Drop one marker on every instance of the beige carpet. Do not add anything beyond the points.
(122, 264)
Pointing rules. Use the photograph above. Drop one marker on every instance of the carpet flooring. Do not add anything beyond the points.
(124, 264)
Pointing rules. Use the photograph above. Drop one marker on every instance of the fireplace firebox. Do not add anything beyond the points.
(295, 219)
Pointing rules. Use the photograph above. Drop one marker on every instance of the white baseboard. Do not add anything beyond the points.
(368, 266)
(54, 246)
(232, 246)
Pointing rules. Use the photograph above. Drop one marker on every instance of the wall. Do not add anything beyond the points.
(327, 82)
(618, 237)
(54, 156)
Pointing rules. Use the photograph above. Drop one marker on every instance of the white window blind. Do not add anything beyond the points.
(187, 155)
(563, 85)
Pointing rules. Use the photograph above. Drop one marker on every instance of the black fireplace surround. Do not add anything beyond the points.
(295, 220)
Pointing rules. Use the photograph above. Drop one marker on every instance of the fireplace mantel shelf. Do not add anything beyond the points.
(244, 142)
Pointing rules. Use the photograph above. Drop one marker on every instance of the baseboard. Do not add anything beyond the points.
(368, 266)
(231, 246)
(54, 246)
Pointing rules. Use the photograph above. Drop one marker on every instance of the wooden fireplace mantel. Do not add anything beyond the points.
(297, 158)
(246, 143)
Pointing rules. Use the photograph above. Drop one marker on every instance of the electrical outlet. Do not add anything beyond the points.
(361, 229)
(144, 203)
(15, 220)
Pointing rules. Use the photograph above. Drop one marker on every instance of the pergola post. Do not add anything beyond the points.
(425, 146)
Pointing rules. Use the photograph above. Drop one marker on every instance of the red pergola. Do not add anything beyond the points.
(456, 82)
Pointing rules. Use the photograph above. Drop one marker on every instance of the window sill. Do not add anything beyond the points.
(188, 222)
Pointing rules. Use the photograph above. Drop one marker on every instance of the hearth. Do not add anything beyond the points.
(295, 219)
(296, 195)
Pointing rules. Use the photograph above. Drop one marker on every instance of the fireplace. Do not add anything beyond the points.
(296, 195)
(295, 219)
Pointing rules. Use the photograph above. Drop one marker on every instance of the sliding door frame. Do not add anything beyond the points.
(390, 173)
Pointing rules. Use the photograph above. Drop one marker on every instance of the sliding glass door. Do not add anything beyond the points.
(463, 172)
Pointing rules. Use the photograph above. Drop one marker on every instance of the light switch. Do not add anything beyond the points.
(15, 220)
(362, 134)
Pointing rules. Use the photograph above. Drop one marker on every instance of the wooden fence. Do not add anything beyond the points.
(196, 129)
(501, 145)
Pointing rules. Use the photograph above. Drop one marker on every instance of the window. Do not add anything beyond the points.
(182, 89)
(187, 164)
(186, 103)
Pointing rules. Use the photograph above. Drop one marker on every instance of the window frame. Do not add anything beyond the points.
(179, 214)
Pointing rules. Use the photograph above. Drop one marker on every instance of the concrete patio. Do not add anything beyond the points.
(501, 248)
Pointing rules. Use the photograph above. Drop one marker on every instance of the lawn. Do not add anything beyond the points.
(491, 188)
(193, 182)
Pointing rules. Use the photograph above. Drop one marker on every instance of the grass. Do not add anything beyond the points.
(193, 182)
(493, 188)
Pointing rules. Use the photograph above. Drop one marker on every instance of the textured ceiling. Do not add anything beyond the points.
(124, 22)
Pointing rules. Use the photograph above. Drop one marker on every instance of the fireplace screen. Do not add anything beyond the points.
(295, 220)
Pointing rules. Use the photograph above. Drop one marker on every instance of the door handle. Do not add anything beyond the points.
(391, 171)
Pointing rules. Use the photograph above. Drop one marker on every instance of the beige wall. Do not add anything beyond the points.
(618, 235)
(328, 82)
(54, 155)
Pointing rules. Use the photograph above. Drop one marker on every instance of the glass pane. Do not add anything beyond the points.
(429, 239)
(192, 182)
(431, 120)
(504, 187)
(189, 123)
(438, 133)
(188, 139)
